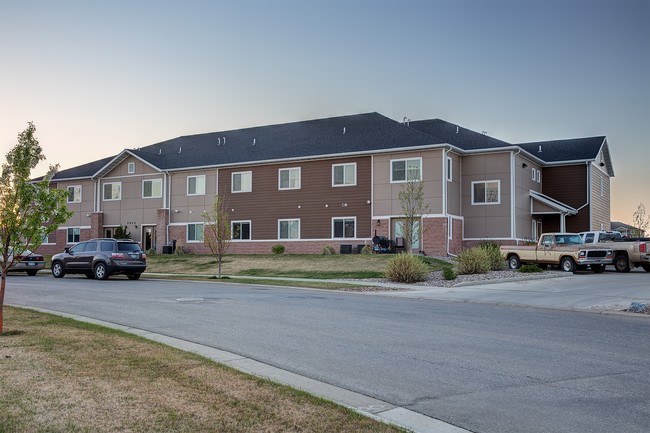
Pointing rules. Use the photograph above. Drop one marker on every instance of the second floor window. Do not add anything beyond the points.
(74, 194)
(404, 170)
(113, 191)
(344, 174)
(196, 185)
(242, 182)
(289, 178)
(152, 188)
(486, 192)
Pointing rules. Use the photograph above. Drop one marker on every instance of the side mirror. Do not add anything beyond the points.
(67, 250)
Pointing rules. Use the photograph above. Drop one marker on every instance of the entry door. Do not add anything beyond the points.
(398, 230)
(149, 237)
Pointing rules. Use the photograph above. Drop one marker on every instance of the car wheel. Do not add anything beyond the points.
(90, 276)
(101, 273)
(621, 263)
(514, 262)
(57, 270)
(597, 269)
(567, 264)
(32, 273)
(133, 276)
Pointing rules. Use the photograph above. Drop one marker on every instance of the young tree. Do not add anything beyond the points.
(414, 205)
(216, 230)
(29, 210)
(639, 220)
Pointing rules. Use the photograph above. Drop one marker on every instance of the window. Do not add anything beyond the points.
(537, 175)
(344, 228)
(112, 191)
(241, 230)
(74, 194)
(449, 169)
(131, 167)
(196, 185)
(90, 247)
(289, 178)
(195, 232)
(242, 182)
(288, 229)
(344, 174)
(73, 234)
(403, 170)
(486, 192)
(152, 188)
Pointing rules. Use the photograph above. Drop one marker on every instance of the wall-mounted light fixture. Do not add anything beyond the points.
(176, 211)
(378, 223)
(87, 214)
(367, 201)
(524, 165)
(602, 164)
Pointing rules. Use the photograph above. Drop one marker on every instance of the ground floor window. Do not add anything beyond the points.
(289, 229)
(241, 230)
(344, 228)
(73, 235)
(195, 232)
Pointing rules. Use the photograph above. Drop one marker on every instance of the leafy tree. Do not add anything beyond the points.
(29, 210)
(639, 220)
(414, 205)
(216, 230)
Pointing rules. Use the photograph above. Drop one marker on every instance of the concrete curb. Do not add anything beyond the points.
(367, 406)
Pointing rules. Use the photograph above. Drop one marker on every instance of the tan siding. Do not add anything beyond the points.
(386, 194)
(486, 221)
(600, 200)
(454, 190)
(82, 209)
(524, 183)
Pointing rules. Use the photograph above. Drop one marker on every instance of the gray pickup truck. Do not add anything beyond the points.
(628, 252)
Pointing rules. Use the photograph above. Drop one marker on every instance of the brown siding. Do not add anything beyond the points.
(315, 203)
(567, 184)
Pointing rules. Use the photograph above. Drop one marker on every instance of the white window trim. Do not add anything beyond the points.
(232, 182)
(280, 170)
(289, 220)
(450, 169)
(538, 176)
(343, 165)
(80, 193)
(152, 181)
(130, 167)
(187, 233)
(498, 202)
(533, 173)
(406, 179)
(345, 218)
(250, 230)
(187, 186)
(104, 188)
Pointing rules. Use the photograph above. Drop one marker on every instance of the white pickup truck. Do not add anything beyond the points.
(565, 250)
(628, 252)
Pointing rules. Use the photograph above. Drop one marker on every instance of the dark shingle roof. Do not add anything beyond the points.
(458, 136)
(311, 138)
(575, 149)
(83, 171)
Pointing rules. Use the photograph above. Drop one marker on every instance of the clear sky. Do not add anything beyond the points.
(98, 76)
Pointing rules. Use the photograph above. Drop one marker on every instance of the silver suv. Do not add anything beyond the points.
(101, 258)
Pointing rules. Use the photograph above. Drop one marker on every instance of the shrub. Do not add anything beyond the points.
(328, 250)
(367, 249)
(496, 260)
(179, 250)
(473, 261)
(530, 268)
(406, 268)
(277, 249)
(448, 274)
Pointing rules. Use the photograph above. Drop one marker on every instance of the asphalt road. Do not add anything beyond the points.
(485, 368)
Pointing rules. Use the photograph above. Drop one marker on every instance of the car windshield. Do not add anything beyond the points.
(128, 246)
(568, 239)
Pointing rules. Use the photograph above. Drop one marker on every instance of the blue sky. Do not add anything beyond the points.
(99, 76)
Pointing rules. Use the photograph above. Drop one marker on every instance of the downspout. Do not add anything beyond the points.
(513, 197)
(445, 195)
(168, 179)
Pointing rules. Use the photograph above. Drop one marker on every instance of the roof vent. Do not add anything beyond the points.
(159, 151)
(224, 141)
(180, 149)
(253, 142)
(218, 141)
(540, 149)
(344, 130)
(484, 132)
(407, 121)
(457, 130)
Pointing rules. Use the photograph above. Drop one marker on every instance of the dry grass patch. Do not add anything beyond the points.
(61, 375)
